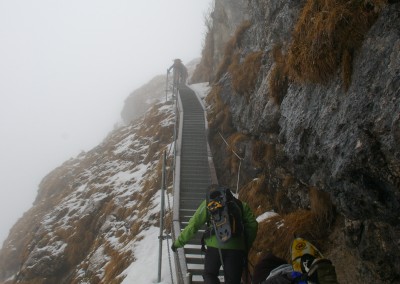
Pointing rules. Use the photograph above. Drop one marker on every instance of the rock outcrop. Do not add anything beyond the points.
(339, 135)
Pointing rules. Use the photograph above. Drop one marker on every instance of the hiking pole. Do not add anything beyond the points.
(220, 258)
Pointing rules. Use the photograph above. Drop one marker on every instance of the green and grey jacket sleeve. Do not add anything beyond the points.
(250, 225)
(198, 219)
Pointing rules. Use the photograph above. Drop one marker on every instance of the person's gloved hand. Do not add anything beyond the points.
(173, 247)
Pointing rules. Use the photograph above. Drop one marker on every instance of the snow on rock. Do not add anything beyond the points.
(99, 213)
(96, 217)
(265, 216)
(145, 269)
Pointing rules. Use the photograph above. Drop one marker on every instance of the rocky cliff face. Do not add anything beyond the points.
(332, 130)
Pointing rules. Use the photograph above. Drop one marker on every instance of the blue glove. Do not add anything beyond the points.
(298, 277)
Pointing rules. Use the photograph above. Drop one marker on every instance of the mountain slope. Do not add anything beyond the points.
(90, 211)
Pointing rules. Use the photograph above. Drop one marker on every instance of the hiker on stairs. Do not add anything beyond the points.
(180, 72)
(225, 246)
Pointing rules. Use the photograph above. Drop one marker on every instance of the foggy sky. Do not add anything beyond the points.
(66, 68)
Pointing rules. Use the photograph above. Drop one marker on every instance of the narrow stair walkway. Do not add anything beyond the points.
(195, 174)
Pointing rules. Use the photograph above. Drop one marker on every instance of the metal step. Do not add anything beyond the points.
(195, 176)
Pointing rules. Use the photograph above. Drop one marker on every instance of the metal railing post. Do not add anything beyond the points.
(161, 236)
(188, 278)
(166, 87)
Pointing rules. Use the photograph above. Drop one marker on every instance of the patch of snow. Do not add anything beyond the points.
(145, 269)
(280, 224)
(265, 216)
(202, 89)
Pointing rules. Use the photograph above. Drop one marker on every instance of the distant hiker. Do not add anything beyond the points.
(308, 266)
(180, 72)
(226, 246)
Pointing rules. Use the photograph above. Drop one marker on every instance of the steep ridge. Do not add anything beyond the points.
(90, 212)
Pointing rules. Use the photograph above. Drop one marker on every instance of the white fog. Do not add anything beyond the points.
(66, 69)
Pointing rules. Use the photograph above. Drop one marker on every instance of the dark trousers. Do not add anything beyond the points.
(234, 261)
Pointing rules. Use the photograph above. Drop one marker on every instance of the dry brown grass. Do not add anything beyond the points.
(321, 206)
(117, 264)
(136, 227)
(230, 47)
(219, 117)
(124, 213)
(168, 221)
(245, 75)
(256, 195)
(276, 234)
(64, 232)
(79, 243)
(214, 100)
(328, 30)
(109, 207)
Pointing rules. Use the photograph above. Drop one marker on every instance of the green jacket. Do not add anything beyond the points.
(201, 216)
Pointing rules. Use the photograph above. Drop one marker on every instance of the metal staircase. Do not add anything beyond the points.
(194, 172)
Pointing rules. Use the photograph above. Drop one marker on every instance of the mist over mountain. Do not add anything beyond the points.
(142, 98)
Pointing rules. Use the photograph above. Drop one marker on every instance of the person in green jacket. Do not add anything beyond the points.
(232, 254)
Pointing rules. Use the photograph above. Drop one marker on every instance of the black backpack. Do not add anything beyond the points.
(225, 214)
